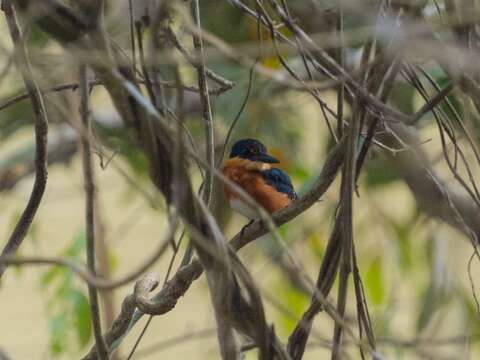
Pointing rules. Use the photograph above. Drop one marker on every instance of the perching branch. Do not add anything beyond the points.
(174, 289)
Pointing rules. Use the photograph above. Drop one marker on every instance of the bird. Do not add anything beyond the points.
(250, 167)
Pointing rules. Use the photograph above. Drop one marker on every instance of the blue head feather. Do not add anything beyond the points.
(251, 149)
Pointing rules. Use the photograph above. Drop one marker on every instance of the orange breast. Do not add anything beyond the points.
(253, 183)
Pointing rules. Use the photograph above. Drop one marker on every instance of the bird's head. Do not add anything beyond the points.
(253, 150)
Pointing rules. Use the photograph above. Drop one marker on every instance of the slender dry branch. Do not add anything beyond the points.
(41, 131)
(174, 341)
(205, 102)
(431, 194)
(339, 254)
(428, 106)
(222, 285)
(74, 86)
(322, 60)
(225, 84)
(345, 217)
(90, 278)
(90, 199)
(129, 304)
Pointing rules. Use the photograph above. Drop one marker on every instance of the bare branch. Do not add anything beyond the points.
(205, 102)
(141, 290)
(41, 131)
(121, 323)
(90, 199)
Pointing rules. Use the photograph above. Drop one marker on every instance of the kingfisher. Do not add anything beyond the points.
(250, 167)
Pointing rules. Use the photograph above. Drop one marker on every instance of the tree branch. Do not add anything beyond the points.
(122, 322)
(204, 101)
(41, 132)
(90, 199)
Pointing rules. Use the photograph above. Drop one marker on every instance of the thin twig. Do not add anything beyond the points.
(90, 199)
(429, 105)
(74, 86)
(145, 73)
(132, 35)
(237, 117)
(87, 276)
(174, 341)
(205, 102)
(225, 84)
(179, 158)
(319, 55)
(341, 61)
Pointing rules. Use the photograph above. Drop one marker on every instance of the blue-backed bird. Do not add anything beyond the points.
(249, 166)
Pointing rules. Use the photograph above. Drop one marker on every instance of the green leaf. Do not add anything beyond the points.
(374, 282)
(58, 330)
(77, 248)
(438, 74)
(50, 275)
(81, 317)
(64, 288)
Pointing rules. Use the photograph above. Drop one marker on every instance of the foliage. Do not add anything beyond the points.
(67, 304)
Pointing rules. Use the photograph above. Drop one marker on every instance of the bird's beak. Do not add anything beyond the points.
(265, 158)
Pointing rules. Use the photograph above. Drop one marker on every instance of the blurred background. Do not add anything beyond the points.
(415, 268)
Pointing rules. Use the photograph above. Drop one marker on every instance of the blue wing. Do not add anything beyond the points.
(280, 181)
